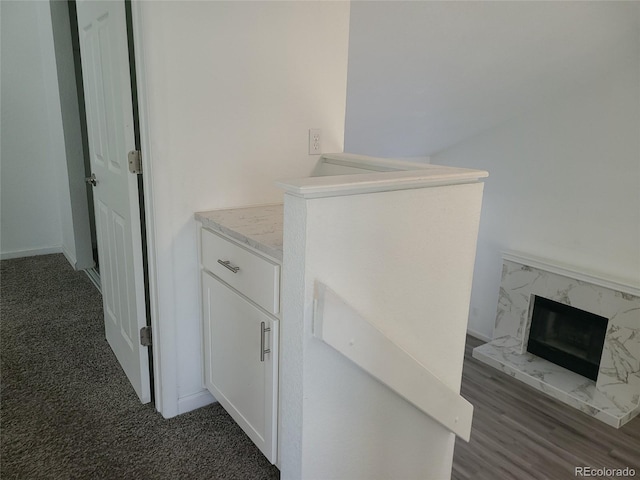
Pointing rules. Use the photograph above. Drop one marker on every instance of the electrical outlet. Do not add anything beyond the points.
(315, 141)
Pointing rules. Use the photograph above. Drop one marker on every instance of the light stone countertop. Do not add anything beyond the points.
(259, 227)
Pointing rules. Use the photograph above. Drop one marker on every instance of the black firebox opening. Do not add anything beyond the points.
(567, 336)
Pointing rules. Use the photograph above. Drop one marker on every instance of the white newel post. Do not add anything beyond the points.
(403, 260)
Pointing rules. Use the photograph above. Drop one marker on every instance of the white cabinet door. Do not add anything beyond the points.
(243, 380)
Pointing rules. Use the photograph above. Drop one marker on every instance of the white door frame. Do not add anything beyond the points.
(165, 359)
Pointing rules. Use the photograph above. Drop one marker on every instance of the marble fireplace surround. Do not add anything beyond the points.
(615, 397)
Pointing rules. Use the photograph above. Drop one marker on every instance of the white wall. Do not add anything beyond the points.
(36, 213)
(543, 95)
(426, 75)
(564, 185)
(30, 214)
(229, 91)
(337, 421)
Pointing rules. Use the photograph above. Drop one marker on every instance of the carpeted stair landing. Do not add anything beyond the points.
(67, 410)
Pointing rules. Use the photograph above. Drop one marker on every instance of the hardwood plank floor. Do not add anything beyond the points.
(518, 433)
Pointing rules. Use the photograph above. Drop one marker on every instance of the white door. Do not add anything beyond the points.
(107, 89)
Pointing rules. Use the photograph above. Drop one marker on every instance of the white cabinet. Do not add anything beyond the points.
(403, 276)
(241, 336)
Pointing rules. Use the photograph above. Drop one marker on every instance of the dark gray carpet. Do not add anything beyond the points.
(67, 410)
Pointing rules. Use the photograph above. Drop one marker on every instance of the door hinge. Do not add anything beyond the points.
(145, 336)
(135, 161)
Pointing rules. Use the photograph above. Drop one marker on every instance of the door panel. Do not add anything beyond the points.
(107, 88)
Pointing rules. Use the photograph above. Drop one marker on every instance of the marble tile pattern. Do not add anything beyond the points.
(619, 374)
(259, 227)
(557, 382)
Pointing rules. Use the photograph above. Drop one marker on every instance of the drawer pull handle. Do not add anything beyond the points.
(263, 351)
(227, 264)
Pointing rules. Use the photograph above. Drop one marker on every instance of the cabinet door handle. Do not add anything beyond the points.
(263, 329)
(227, 264)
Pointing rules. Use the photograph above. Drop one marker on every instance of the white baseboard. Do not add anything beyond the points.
(478, 335)
(94, 276)
(195, 401)
(30, 253)
(70, 258)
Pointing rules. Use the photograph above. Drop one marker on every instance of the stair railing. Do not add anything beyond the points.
(338, 325)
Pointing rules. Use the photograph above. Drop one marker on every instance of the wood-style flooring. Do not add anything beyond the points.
(519, 433)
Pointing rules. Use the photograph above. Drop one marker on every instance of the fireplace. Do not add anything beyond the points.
(600, 341)
(567, 336)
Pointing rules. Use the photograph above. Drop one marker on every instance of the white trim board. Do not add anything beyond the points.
(572, 272)
(70, 258)
(165, 376)
(338, 325)
(478, 335)
(194, 401)
(31, 252)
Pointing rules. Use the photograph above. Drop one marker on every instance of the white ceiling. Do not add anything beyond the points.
(426, 75)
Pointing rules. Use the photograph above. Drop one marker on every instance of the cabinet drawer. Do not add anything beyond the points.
(255, 277)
